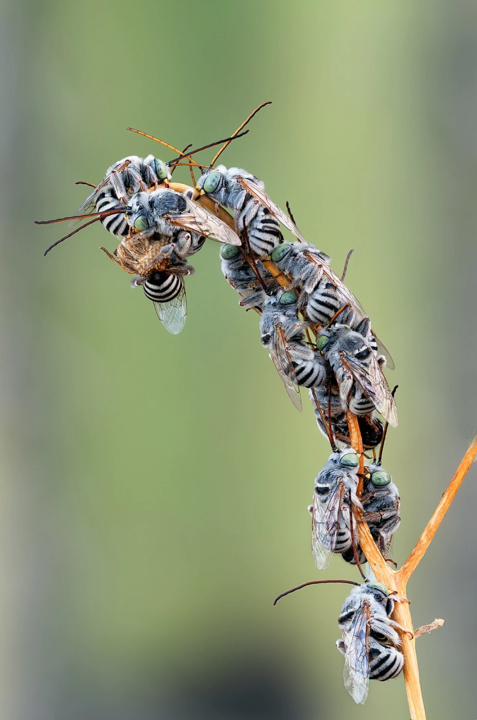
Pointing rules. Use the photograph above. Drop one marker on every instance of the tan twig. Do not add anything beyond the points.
(431, 528)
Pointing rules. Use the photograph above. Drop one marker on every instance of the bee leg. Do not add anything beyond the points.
(111, 257)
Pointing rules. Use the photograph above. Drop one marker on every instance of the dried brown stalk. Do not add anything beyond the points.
(396, 580)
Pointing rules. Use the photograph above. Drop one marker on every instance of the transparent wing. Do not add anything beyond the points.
(290, 225)
(266, 200)
(325, 527)
(198, 220)
(371, 380)
(173, 314)
(281, 359)
(335, 280)
(89, 204)
(356, 668)
(384, 351)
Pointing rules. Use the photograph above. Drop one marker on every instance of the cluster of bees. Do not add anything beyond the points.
(317, 335)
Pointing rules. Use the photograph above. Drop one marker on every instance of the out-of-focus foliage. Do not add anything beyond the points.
(154, 488)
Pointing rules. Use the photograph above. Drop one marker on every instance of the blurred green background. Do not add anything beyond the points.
(154, 488)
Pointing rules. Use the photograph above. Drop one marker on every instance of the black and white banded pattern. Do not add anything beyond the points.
(163, 287)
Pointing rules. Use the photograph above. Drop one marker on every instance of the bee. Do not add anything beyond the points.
(362, 385)
(124, 179)
(241, 275)
(160, 271)
(370, 643)
(283, 334)
(380, 500)
(251, 217)
(331, 419)
(161, 212)
(333, 498)
(322, 294)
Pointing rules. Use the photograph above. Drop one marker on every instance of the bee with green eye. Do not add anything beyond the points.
(370, 644)
(334, 495)
(236, 189)
(124, 179)
(361, 382)
(282, 332)
(167, 214)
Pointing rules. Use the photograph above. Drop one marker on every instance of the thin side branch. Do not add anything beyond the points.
(431, 528)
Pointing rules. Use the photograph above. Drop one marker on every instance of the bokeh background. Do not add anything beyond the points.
(154, 488)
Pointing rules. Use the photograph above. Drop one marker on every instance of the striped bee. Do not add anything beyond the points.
(283, 334)
(124, 179)
(370, 643)
(160, 271)
(161, 212)
(323, 295)
(253, 220)
(331, 512)
(381, 502)
(242, 276)
(358, 372)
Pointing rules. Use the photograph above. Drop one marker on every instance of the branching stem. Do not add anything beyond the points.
(397, 580)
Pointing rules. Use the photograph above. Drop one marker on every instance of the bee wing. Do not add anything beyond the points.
(384, 351)
(173, 314)
(89, 204)
(356, 668)
(197, 219)
(371, 380)
(280, 357)
(266, 200)
(326, 521)
(335, 280)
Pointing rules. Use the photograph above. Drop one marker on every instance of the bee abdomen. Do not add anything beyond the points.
(162, 287)
(309, 373)
(385, 663)
(115, 224)
(323, 304)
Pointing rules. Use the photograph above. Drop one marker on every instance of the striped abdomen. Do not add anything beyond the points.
(263, 230)
(323, 303)
(163, 287)
(310, 370)
(115, 224)
(385, 663)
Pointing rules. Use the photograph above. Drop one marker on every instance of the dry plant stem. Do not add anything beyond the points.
(446, 500)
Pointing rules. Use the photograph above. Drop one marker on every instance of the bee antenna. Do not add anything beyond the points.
(68, 236)
(385, 431)
(83, 182)
(151, 137)
(97, 215)
(345, 269)
(313, 582)
(206, 147)
(269, 102)
(290, 212)
(337, 314)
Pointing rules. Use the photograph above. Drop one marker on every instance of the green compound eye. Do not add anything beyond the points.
(380, 586)
(350, 460)
(280, 252)
(162, 171)
(141, 223)
(211, 182)
(288, 298)
(321, 342)
(227, 252)
(380, 478)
